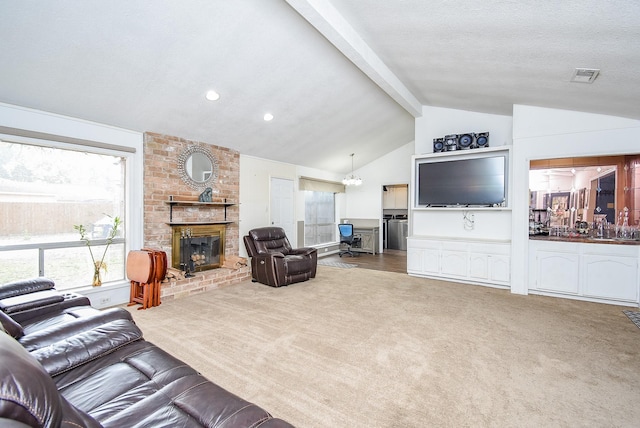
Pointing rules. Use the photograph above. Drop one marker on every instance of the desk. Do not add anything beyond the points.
(370, 239)
(369, 231)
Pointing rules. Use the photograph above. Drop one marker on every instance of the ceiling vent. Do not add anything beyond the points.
(585, 75)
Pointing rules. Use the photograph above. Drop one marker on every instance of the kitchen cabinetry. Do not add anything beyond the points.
(485, 262)
(597, 272)
(395, 197)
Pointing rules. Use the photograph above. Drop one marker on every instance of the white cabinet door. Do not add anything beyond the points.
(612, 277)
(388, 198)
(423, 256)
(499, 269)
(423, 261)
(454, 263)
(431, 261)
(556, 271)
(395, 197)
(414, 260)
(479, 266)
(401, 198)
(492, 268)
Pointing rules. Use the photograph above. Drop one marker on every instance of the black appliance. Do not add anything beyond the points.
(481, 140)
(465, 141)
(438, 145)
(451, 142)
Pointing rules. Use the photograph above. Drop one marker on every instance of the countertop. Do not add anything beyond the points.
(586, 239)
(363, 223)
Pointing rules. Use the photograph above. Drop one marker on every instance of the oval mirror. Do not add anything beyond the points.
(197, 167)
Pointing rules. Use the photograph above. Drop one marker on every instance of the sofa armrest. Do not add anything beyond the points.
(25, 286)
(10, 326)
(81, 348)
(71, 300)
(275, 254)
(32, 300)
(268, 268)
(304, 251)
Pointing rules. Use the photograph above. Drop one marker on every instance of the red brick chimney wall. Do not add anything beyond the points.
(162, 180)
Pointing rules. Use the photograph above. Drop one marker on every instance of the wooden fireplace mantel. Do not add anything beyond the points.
(190, 223)
(174, 202)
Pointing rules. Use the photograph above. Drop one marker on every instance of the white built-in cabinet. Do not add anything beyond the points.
(395, 197)
(484, 262)
(597, 272)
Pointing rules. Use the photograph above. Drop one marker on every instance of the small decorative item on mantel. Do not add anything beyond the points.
(99, 264)
(206, 196)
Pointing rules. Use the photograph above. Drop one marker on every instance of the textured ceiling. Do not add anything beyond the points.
(485, 55)
(146, 65)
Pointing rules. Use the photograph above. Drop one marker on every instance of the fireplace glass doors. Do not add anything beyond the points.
(196, 248)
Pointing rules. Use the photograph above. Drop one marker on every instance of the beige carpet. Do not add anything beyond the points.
(364, 348)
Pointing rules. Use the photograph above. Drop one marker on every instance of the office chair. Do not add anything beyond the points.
(348, 238)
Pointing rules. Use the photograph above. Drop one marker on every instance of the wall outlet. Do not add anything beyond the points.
(326, 249)
(105, 300)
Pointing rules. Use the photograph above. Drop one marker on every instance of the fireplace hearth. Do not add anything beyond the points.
(196, 248)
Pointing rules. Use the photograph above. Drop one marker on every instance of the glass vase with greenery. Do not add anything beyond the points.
(99, 264)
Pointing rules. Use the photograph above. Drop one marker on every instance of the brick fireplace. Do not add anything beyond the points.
(162, 181)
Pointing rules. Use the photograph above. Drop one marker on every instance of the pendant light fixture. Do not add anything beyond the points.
(352, 179)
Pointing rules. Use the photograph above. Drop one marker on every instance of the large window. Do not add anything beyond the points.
(45, 190)
(319, 217)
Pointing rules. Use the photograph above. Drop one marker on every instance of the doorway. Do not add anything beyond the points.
(281, 206)
(395, 204)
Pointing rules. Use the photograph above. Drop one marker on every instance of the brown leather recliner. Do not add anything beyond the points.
(274, 262)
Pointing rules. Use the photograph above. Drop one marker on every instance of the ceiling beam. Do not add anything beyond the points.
(330, 23)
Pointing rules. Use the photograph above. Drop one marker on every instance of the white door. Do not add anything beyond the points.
(282, 206)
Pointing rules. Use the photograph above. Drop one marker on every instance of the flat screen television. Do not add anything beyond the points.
(477, 181)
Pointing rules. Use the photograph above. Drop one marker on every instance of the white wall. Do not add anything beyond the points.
(436, 123)
(255, 181)
(365, 201)
(543, 133)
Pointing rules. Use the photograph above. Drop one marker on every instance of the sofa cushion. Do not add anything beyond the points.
(66, 326)
(52, 317)
(10, 326)
(189, 401)
(86, 346)
(269, 240)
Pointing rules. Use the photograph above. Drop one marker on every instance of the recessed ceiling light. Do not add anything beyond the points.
(585, 75)
(212, 96)
(268, 117)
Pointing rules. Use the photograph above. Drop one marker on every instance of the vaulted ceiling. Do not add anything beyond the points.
(339, 76)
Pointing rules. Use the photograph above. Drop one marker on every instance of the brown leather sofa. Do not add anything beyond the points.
(274, 262)
(75, 366)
